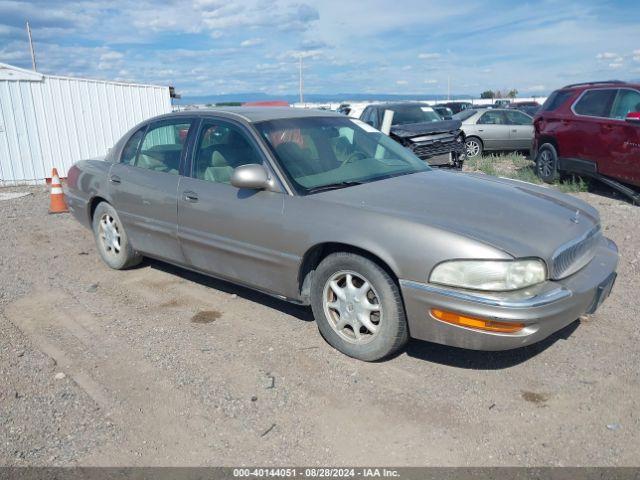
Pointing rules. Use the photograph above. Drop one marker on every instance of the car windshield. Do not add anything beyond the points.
(407, 114)
(464, 114)
(321, 153)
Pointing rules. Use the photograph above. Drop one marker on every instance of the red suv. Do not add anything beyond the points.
(590, 129)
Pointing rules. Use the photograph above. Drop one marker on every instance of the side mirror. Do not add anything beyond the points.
(633, 117)
(447, 117)
(252, 176)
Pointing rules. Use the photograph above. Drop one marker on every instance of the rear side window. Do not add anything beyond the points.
(162, 146)
(595, 103)
(515, 117)
(555, 100)
(131, 148)
(492, 117)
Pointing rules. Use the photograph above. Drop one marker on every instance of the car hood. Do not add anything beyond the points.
(519, 218)
(424, 128)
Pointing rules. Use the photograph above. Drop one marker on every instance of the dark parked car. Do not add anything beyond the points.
(445, 112)
(530, 107)
(323, 210)
(456, 107)
(591, 129)
(421, 129)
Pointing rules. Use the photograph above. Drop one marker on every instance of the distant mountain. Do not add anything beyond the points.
(311, 97)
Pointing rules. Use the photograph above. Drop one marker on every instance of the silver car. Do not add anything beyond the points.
(323, 210)
(495, 129)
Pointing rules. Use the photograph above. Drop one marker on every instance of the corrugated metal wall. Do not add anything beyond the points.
(57, 121)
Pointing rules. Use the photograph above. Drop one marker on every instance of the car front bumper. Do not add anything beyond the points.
(543, 309)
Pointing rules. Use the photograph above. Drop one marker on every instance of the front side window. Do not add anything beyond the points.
(517, 118)
(595, 103)
(626, 101)
(220, 149)
(162, 146)
(332, 152)
(492, 117)
(131, 148)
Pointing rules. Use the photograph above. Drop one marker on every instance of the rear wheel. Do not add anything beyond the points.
(111, 239)
(358, 307)
(474, 147)
(547, 163)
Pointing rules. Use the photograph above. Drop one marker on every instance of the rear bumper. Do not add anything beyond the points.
(78, 207)
(544, 309)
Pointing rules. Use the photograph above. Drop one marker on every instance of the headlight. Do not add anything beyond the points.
(494, 275)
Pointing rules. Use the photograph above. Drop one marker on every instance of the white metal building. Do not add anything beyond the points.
(51, 121)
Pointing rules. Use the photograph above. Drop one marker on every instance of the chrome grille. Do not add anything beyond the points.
(574, 255)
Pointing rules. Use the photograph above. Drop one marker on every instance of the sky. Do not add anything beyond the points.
(376, 46)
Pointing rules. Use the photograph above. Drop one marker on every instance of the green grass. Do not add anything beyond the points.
(518, 167)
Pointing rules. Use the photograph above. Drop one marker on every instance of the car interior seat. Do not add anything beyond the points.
(220, 171)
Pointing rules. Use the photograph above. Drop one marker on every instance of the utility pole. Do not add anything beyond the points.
(449, 87)
(33, 52)
(301, 81)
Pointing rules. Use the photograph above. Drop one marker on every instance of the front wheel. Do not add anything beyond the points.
(111, 239)
(358, 307)
(474, 147)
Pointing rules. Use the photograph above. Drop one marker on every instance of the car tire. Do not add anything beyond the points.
(473, 147)
(547, 163)
(112, 240)
(380, 303)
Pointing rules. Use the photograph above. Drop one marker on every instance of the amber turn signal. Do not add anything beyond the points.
(476, 323)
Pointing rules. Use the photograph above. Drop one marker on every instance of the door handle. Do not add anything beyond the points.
(115, 179)
(481, 129)
(190, 196)
(515, 130)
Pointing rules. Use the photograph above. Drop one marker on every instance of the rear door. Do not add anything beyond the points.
(144, 186)
(520, 129)
(591, 127)
(493, 130)
(229, 232)
(623, 139)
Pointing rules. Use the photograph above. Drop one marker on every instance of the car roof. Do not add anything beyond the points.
(258, 114)
(600, 84)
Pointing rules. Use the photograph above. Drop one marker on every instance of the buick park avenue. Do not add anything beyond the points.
(323, 210)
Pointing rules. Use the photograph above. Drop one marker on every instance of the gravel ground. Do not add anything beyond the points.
(159, 366)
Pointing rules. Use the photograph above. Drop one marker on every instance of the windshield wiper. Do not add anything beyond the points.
(334, 186)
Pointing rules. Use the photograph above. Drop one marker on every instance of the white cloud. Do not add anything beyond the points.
(429, 56)
(252, 42)
(402, 82)
(431, 81)
(536, 88)
(607, 56)
(616, 65)
(111, 56)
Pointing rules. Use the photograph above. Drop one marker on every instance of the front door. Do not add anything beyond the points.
(144, 187)
(229, 232)
(493, 130)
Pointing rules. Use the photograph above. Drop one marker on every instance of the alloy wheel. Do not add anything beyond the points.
(473, 148)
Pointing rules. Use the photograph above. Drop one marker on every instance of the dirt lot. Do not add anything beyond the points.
(158, 366)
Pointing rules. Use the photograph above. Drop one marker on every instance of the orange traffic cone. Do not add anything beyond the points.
(58, 204)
